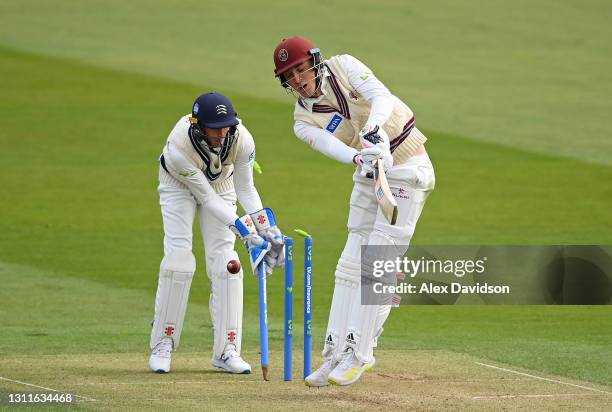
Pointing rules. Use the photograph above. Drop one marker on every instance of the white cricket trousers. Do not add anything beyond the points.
(178, 207)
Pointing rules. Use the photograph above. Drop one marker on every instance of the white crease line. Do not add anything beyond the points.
(544, 379)
(159, 383)
(434, 380)
(47, 389)
(558, 395)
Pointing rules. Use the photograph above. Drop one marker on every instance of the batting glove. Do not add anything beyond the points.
(374, 136)
(367, 160)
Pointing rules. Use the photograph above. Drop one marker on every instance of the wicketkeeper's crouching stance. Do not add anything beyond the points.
(346, 113)
(206, 165)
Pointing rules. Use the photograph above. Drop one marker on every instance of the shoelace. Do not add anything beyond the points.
(230, 353)
(330, 365)
(163, 348)
(328, 362)
(347, 358)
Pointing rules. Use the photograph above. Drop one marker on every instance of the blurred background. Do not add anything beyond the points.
(513, 96)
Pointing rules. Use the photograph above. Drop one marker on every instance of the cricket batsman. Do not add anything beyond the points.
(346, 113)
(206, 166)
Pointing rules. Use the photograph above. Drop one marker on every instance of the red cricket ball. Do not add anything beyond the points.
(233, 266)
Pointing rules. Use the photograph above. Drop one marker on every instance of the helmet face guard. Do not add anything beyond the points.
(199, 132)
(319, 70)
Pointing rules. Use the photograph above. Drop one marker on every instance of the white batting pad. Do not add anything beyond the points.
(366, 322)
(346, 294)
(175, 276)
(225, 303)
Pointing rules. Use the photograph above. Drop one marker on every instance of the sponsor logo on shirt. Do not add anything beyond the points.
(334, 123)
(187, 173)
(365, 75)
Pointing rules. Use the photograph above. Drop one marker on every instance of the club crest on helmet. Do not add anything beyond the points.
(283, 55)
(214, 110)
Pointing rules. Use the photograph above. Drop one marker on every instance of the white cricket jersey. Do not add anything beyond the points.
(353, 98)
(186, 163)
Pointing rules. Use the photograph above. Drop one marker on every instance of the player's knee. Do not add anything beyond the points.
(359, 226)
(179, 260)
(348, 269)
(349, 278)
(358, 236)
(354, 241)
(396, 235)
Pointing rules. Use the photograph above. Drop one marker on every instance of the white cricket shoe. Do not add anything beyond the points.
(319, 377)
(231, 361)
(349, 370)
(161, 356)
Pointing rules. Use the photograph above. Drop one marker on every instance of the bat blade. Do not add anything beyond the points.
(386, 201)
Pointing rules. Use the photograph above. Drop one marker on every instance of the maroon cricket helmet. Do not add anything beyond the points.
(293, 51)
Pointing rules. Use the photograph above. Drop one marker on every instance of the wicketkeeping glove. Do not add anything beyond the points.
(257, 247)
(265, 223)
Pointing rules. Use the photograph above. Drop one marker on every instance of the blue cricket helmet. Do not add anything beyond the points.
(214, 110)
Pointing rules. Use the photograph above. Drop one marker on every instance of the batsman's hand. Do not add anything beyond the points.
(373, 137)
(367, 160)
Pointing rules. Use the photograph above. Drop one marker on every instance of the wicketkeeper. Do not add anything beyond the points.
(346, 113)
(206, 165)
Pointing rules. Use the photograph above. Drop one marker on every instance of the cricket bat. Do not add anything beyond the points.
(385, 198)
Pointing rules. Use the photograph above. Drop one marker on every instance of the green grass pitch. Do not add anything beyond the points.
(513, 96)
